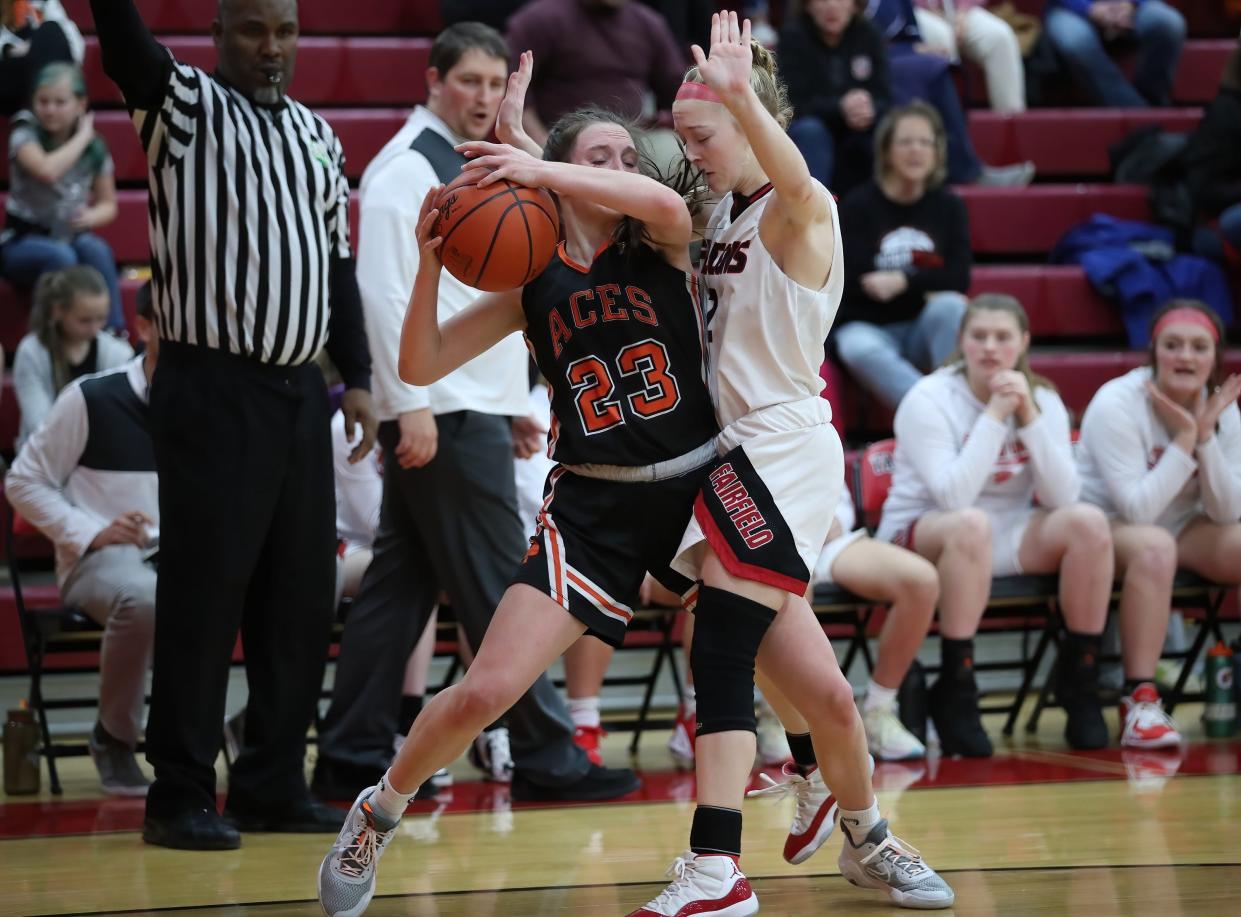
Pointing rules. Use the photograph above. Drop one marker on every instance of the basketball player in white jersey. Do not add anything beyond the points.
(772, 270)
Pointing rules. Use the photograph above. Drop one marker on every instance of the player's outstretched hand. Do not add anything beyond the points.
(428, 241)
(502, 161)
(727, 68)
(510, 126)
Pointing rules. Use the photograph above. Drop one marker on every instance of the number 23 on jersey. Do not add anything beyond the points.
(599, 405)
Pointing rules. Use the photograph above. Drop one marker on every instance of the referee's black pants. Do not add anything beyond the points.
(247, 541)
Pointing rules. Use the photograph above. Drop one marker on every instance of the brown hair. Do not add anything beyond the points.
(559, 145)
(764, 80)
(53, 294)
(887, 130)
(1009, 305)
(1217, 371)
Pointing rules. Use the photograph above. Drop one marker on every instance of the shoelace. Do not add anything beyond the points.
(796, 786)
(1144, 713)
(899, 854)
(358, 857)
(683, 870)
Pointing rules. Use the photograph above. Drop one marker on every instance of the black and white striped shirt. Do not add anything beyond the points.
(248, 212)
(247, 204)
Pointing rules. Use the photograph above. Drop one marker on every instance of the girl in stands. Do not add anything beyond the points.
(1161, 454)
(772, 272)
(62, 189)
(66, 341)
(977, 443)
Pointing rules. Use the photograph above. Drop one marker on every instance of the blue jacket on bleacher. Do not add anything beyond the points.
(1136, 265)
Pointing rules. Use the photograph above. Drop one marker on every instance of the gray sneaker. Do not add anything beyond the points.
(347, 873)
(885, 862)
(118, 768)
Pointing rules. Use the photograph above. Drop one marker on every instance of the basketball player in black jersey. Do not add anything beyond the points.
(615, 326)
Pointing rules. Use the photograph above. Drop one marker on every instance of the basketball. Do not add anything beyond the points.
(499, 237)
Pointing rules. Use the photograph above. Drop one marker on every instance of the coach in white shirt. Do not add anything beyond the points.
(449, 517)
(86, 479)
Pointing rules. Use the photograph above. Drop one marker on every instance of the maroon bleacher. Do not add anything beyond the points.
(315, 17)
(1067, 141)
(330, 71)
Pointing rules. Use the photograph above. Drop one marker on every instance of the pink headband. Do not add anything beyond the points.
(1186, 316)
(698, 92)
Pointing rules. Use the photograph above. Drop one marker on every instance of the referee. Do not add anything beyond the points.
(252, 276)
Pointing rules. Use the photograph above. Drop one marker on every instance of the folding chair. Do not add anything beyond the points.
(46, 630)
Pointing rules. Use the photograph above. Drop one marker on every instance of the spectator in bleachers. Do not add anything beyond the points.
(617, 54)
(33, 34)
(909, 586)
(1212, 161)
(61, 188)
(907, 262)
(66, 341)
(918, 74)
(956, 27)
(1160, 452)
(494, 13)
(1083, 32)
(836, 61)
(977, 442)
(87, 481)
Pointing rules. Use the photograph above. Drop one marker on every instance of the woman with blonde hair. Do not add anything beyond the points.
(978, 442)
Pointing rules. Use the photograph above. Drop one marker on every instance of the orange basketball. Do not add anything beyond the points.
(499, 237)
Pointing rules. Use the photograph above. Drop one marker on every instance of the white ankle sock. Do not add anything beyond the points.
(878, 697)
(858, 823)
(389, 803)
(584, 711)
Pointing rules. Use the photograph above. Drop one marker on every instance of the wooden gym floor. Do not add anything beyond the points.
(1035, 830)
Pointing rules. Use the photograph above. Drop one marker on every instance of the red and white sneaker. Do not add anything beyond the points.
(712, 885)
(681, 742)
(587, 738)
(815, 816)
(1144, 724)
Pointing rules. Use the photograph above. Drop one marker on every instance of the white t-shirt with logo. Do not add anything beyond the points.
(1130, 469)
(950, 454)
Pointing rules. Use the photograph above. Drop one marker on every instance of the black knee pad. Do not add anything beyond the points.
(728, 629)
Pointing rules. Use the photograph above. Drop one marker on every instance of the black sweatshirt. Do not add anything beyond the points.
(142, 68)
(928, 240)
(1213, 156)
(818, 75)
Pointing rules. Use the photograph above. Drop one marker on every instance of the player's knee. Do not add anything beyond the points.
(1155, 560)
(833, 709)
(484, 697)
(727, 634)
(1088, 530)
(971, 533)
(917, 585)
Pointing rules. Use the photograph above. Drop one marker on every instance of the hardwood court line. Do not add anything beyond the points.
(1081, 762)
(457, 893)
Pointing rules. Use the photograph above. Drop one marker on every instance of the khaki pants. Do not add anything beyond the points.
(991, 43)
(116, 587)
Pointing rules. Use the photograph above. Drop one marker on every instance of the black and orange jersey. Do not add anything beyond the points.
(622, 344)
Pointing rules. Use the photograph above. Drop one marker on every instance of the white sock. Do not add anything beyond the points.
(584, 711)
(858, 823)
(388, 802)
(878, 697)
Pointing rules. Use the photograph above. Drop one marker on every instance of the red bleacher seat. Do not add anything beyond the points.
(1031, 220)
(127, 234)
(1067, 141)
(1058, 298)
(330, 71)
(315, 17)
(874, 479)
(1002, 220)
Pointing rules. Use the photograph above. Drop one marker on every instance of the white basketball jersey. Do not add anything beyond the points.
(766, 330)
